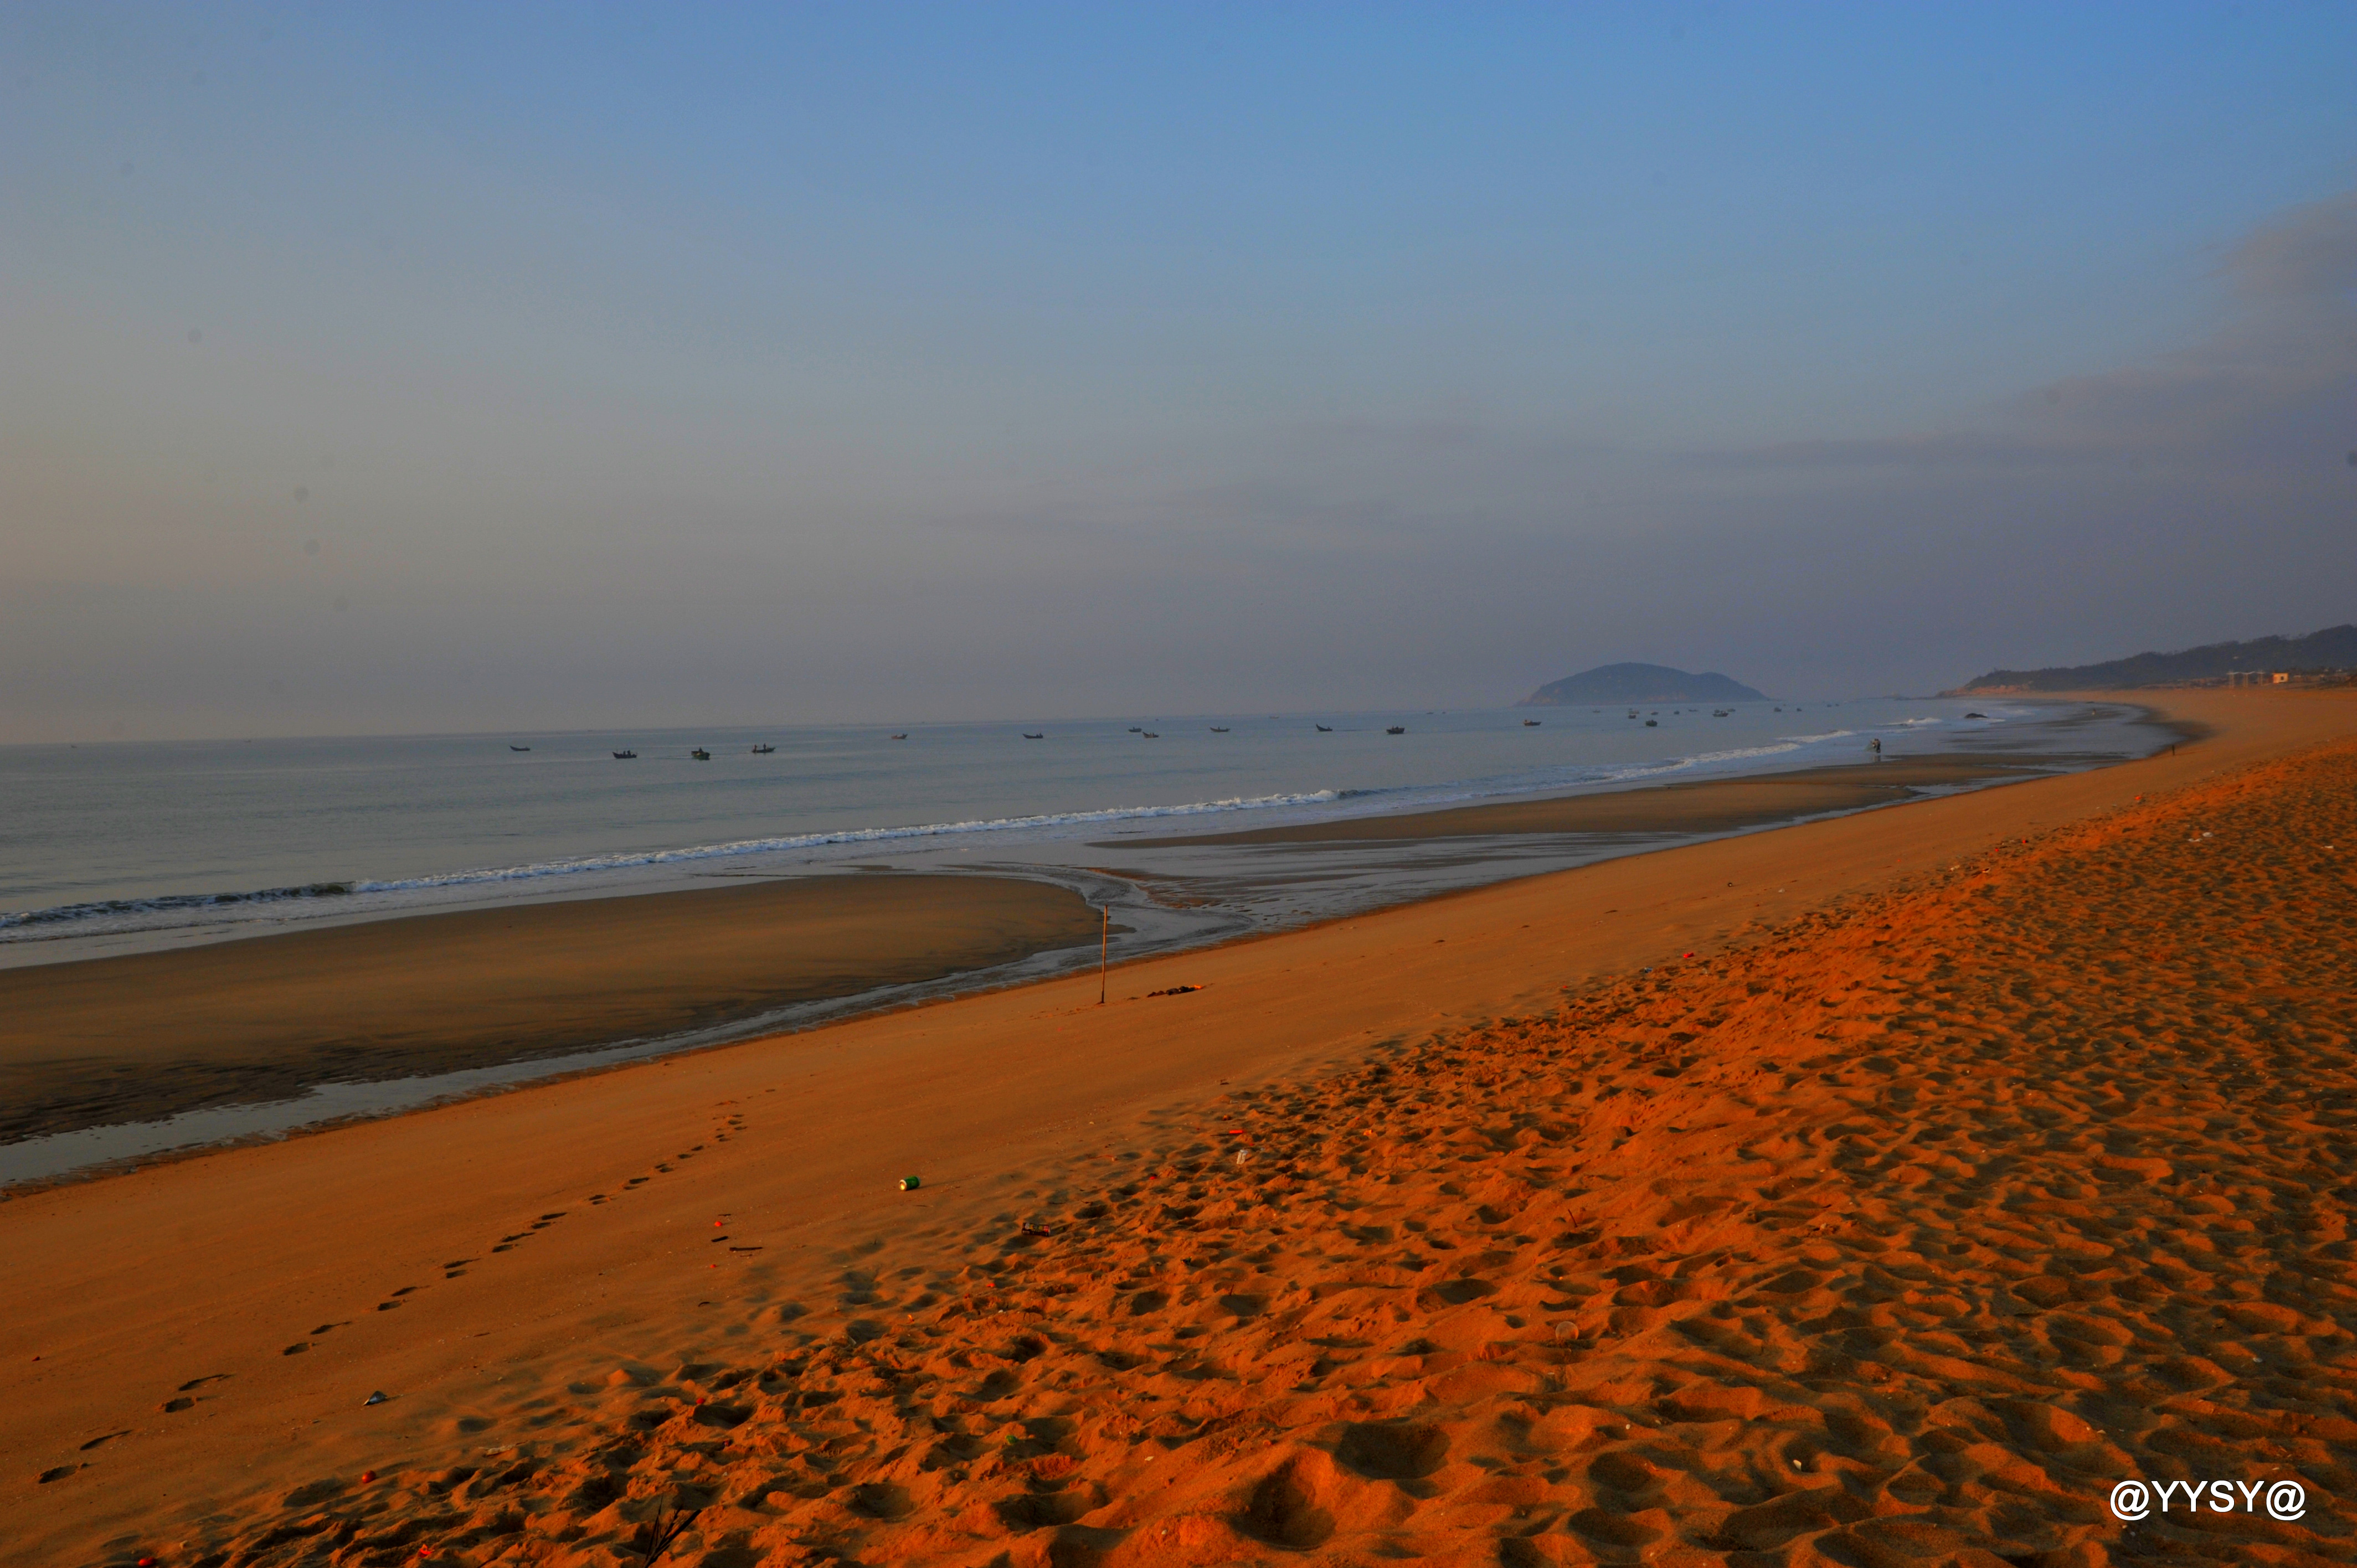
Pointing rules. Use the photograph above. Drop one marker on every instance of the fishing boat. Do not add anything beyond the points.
(763, 750)
(1325, 729)
(519, 749)
(1029, 736)
(1396, 729)
(902, 736)
(1149, 735)
(1218, 729)
(1136, 729)
(701, 755)
(1653, 724)
(1532, 724)
(625, 756)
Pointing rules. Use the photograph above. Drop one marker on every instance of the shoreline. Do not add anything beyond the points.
(165, 1330)
(249, 1024)
(108, 916)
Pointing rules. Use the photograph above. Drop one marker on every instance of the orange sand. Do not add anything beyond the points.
(1893, 1232)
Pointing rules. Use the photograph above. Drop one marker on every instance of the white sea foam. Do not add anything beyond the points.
(130, 911)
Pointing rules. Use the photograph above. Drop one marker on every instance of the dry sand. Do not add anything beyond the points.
(147, 1036)
(1990, 1149)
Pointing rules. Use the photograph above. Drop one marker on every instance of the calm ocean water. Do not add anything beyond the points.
(120, 846)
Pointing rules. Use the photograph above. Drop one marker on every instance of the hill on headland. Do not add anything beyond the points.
(1639, 683)
(2334, 648)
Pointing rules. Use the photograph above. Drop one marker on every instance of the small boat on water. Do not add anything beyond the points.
(1396, 729)
(1029, 736)
(1218, 729)
(1149, 735)
(1975, 715)
(1324, 729)
(1532, 724)
(903, 736)
(763, 750)
(701, 755)
(1135, 729)
(519, 749)
(1653, 724)
(625, 755)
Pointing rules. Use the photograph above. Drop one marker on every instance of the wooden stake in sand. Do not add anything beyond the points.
(1104, 940)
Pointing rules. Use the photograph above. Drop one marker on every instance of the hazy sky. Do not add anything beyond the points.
(414, 366)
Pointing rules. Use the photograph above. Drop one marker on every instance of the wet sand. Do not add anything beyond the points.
(147, 1036)
(1988, 1150)
(1709, 806)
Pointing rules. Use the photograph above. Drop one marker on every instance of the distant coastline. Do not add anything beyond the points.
(2327, 654)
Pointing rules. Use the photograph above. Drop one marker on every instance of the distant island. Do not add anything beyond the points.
(1609, 683)
(2333, 649)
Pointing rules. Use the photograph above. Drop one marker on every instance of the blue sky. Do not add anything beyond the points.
(415, 367)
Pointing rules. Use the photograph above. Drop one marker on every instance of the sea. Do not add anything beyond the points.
(128, 846)
(125, 847)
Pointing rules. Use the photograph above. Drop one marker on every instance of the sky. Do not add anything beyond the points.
(404, 368)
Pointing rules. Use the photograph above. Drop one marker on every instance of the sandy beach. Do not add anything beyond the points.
(1881, 1188)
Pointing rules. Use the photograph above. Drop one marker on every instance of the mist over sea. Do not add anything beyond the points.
(124, 847)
